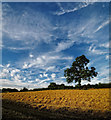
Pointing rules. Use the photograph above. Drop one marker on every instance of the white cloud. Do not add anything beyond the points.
(107, 57)
(28, 32)
(13, 72)
(89, 64)
(102, 77)
(17, 48)
(101, 26)
(17, 77)
(29, 36)
(106, 45)
(104, 71)
(1, 65)
(93, 50)
(45, 75)
(64, 45)
(25, 65)
(53, 75)
(64, 11)
(45, 80)
(31, 56)
(46, 61)
(66, 67)
(62, 77)
(24, 78)
(82, 32)
(40, 82)
(41, 75)
(67, 58)
(4, 73)
(50, 68)
(30, 81)
(93, 81)
(13, 77)
(37, 80)
(7, 65)
(6, 83)
(85, 34)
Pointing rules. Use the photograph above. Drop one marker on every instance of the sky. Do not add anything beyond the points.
(40, 40)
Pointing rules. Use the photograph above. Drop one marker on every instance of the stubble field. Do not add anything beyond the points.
(64, 100)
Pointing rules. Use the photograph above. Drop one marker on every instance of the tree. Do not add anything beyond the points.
(24, 89)
(52, 85)
(79, 71)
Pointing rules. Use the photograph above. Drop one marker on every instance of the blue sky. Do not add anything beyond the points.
(41, 40)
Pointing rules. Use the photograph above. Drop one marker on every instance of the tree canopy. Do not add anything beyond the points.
(80, 71)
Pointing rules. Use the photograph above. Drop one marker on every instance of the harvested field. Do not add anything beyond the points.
(92, 101)
(95, 99)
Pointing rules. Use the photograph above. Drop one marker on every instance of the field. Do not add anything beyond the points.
(73, 102)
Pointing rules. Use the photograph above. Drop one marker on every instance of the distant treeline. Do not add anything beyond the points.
(54, 86)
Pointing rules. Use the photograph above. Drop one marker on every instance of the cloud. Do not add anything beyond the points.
(40, 82)
(10, 73)
(103, 77)
(93, 50)
(4, 73)
(1, 65)
(24, 78)
(39, 69)
(50, 68)
(67, 58)
(45, 75)
(6, 83)
(19, 77)
(107, 57)
(16, 78)
(17, 48)
(106, 45)
(8, 65)
(64, 45)
(53, 75)
(64, 11)
(25, 65)
(62, 77)
(37, 79)
(46, 61)
(41, 75)
(85, 34)
(44, 81)
(30, 81)
(65, 67)
(31, 55)
(93, 81)
(104, 71)
(26, 32)
(31, 31)
(13, 72)
(101, 26)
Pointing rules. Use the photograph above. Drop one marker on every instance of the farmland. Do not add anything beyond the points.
(92, 100)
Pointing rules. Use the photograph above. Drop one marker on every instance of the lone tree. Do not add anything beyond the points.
(79, 71)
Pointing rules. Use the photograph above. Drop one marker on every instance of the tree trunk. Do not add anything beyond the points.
(79, 83)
